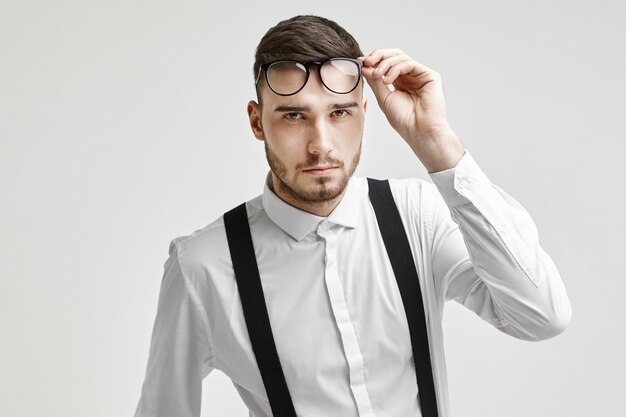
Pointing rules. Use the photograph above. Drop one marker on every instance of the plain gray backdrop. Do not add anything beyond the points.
(123, 125)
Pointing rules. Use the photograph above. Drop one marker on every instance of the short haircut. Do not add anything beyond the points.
(304, 38)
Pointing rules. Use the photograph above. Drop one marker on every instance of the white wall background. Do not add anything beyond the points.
(123, 125)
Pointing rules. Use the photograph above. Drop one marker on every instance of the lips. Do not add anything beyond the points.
(319, 168)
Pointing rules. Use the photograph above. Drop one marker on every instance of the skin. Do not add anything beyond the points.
(318, 128)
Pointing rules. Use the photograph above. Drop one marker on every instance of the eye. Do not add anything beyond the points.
(341, 113)
(292, 116)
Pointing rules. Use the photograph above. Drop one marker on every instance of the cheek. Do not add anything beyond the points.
(351, 134)
(288, 140)
(284, 146)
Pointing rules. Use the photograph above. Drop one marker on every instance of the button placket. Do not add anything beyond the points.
(352, 351)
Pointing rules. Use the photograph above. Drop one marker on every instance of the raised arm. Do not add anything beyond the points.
(486, 247)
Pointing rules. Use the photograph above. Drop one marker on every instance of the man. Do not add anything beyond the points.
(339, 323)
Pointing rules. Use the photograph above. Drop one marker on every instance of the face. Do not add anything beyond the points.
(312, 140)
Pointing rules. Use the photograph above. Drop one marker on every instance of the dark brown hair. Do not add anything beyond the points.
(305, 38)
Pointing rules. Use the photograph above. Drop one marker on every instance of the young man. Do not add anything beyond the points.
(332, 327)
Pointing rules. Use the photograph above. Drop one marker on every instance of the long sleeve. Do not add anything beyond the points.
(487, 256)
(179, 355)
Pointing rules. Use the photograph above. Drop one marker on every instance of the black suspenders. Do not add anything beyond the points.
(399, 251)
(257, 319)
(255, 311)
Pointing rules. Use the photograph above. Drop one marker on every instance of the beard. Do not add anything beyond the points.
(321, 192)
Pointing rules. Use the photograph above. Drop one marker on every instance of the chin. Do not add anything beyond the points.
(324, 189)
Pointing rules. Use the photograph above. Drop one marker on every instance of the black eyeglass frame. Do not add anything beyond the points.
(307, 65)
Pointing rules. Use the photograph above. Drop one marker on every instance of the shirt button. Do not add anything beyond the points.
(462, 183)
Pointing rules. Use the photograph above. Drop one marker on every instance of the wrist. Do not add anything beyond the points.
(438, 149)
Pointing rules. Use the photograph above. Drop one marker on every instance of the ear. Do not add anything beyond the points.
(254, 115)
(364, 104)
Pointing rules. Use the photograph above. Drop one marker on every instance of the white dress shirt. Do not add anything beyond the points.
(335, 309)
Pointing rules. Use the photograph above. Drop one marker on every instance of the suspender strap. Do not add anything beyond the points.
(255, 311)
(399, 251)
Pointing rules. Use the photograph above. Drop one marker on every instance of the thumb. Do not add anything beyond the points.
(380, 89)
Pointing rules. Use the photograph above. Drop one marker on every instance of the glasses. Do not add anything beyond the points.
(285, 78)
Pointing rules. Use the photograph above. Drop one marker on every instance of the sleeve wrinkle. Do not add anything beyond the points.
(516, 286)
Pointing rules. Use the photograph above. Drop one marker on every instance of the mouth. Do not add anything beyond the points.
(320, 170)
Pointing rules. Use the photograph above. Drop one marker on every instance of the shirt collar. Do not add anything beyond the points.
(299, 223)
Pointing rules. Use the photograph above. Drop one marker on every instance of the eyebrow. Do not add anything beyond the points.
(334, 106)
(340, 106)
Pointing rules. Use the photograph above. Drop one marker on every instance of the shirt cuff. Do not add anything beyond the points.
(455, 184)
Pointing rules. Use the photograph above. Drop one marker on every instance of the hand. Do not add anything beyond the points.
(415, 108)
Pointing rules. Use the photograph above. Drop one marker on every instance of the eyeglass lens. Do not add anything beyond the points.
(287, 77)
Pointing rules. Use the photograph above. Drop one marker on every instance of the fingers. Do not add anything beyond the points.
(380, 89)
(389, 63)
(389, 66)
(386, 68)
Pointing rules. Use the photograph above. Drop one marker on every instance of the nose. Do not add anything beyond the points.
(320, 129)
(320, 142)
